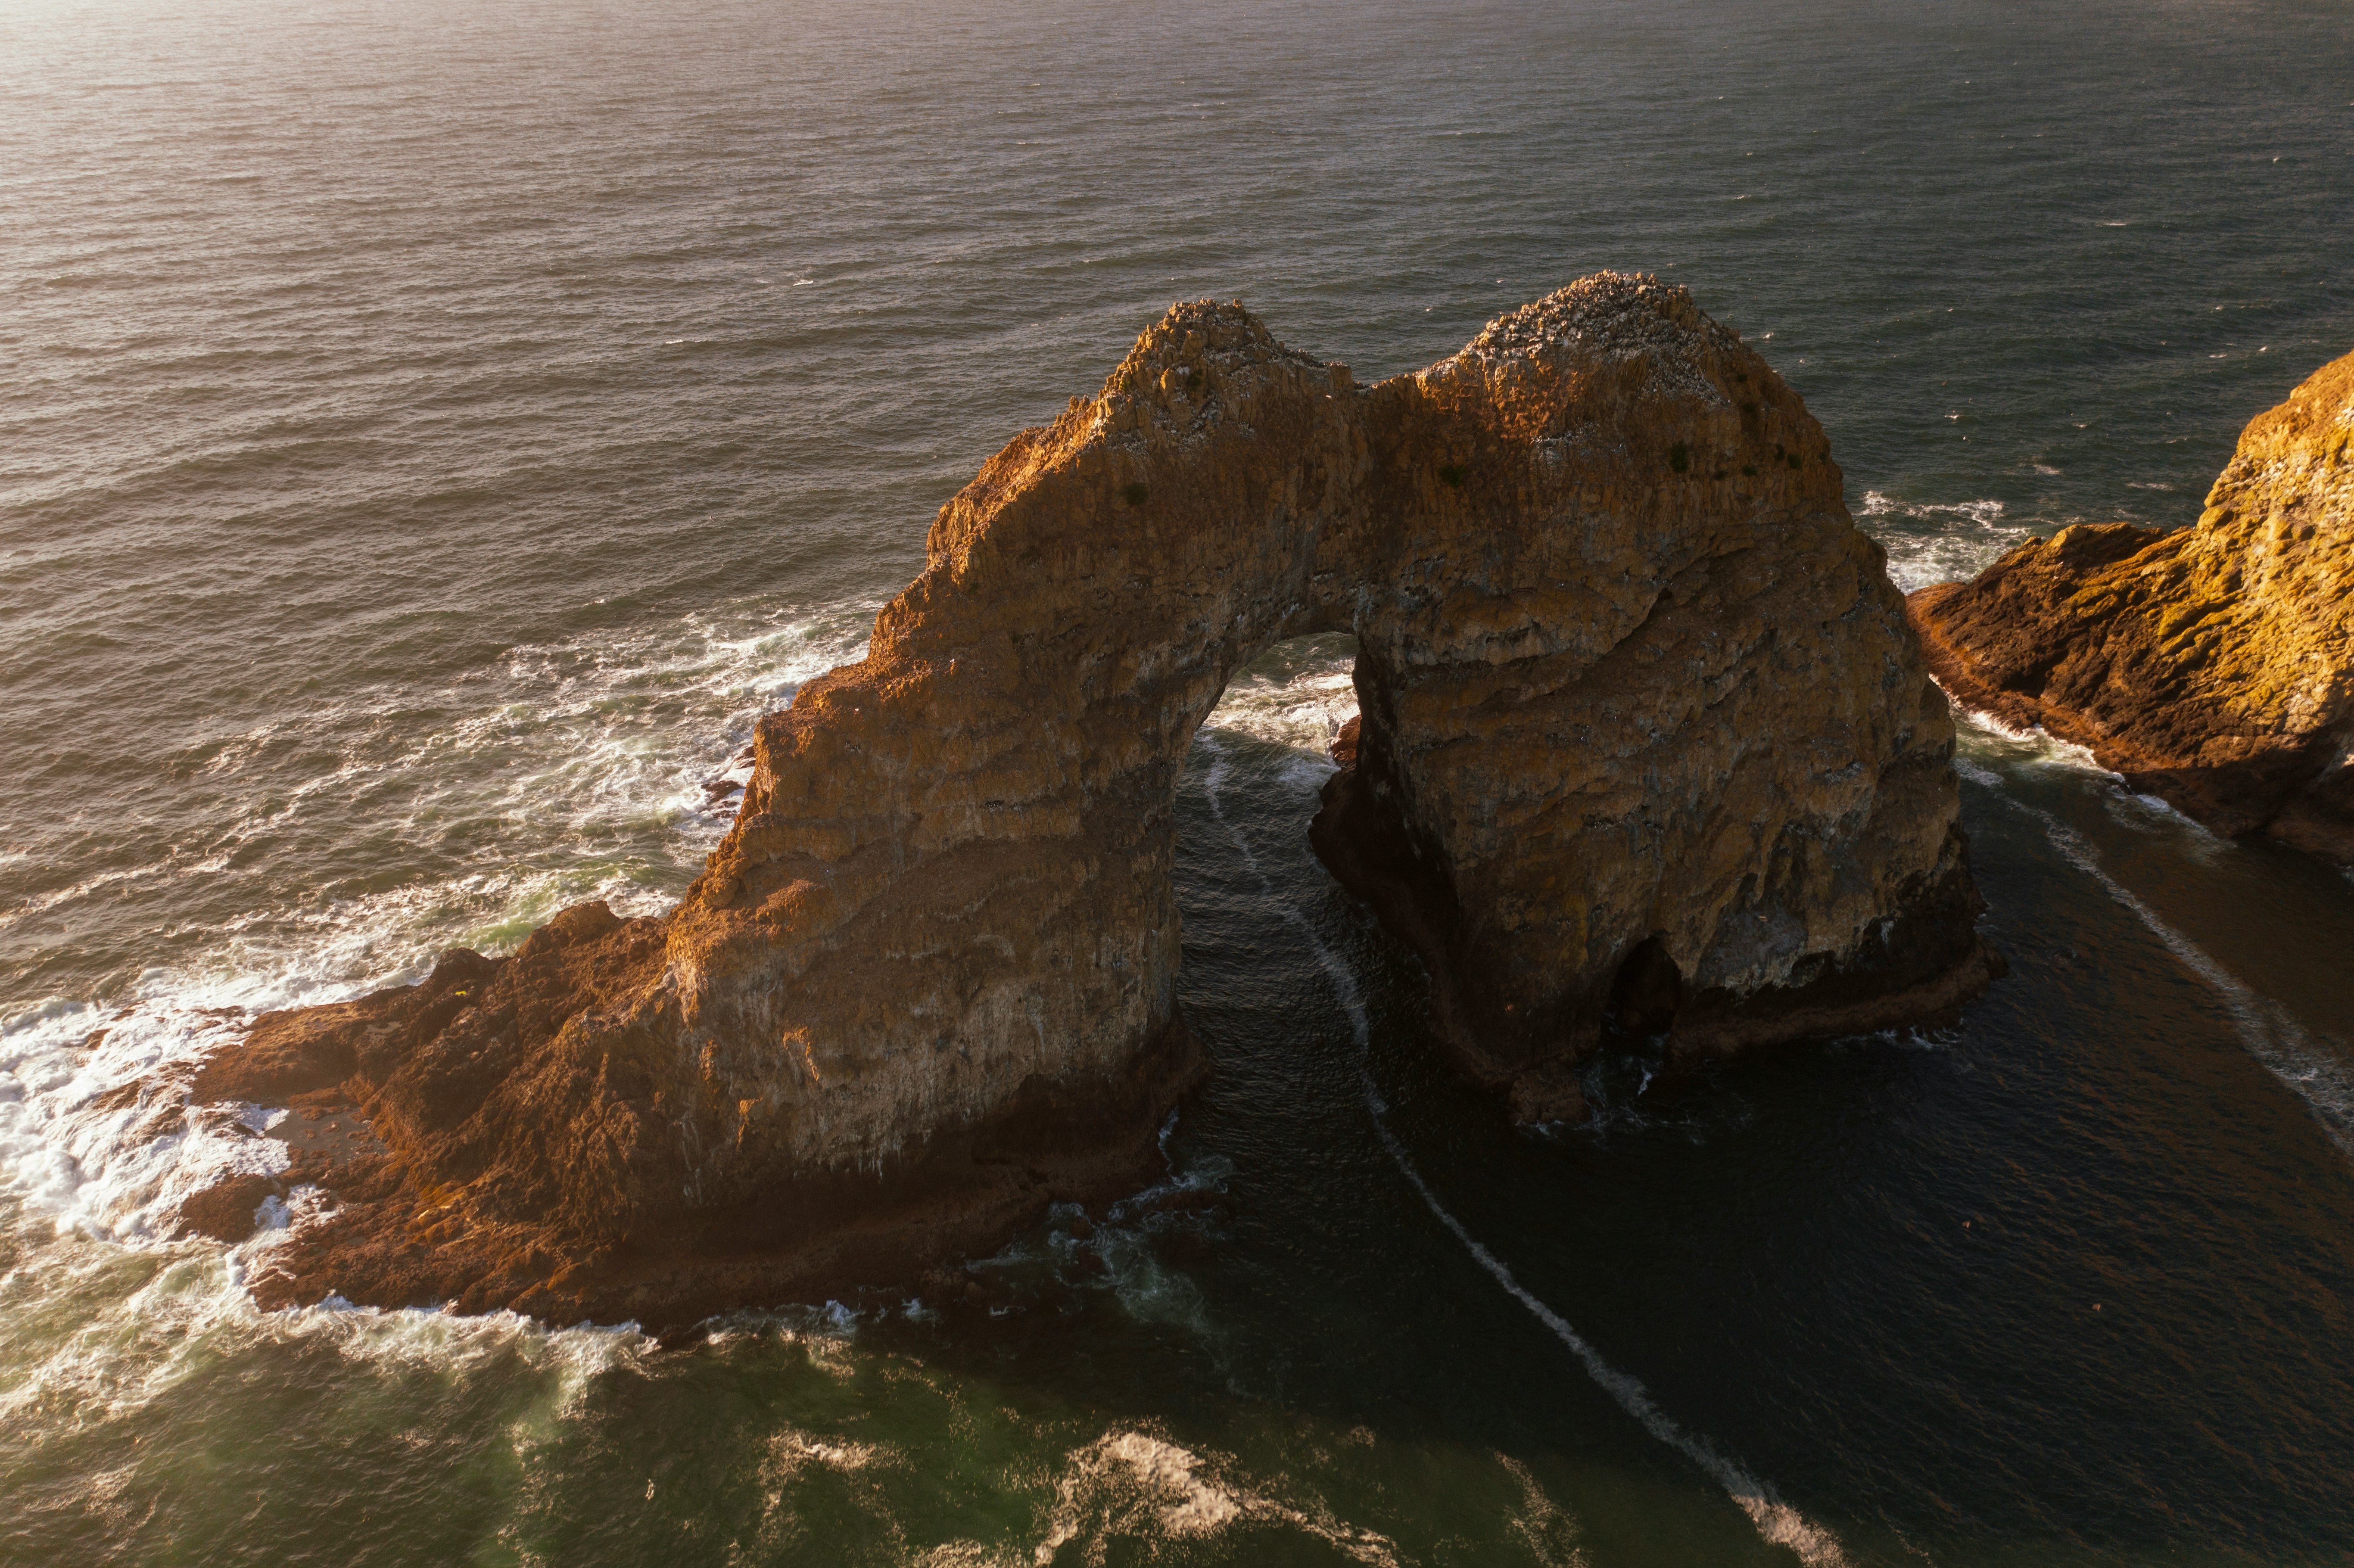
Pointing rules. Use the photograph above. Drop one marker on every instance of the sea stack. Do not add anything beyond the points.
(2212, 667)
(1647, 743)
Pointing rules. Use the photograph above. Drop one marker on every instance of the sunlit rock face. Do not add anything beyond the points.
(2214, 666)
(1647, 744)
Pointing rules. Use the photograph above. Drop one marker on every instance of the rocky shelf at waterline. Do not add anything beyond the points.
(2212, 667)
(1647, 741)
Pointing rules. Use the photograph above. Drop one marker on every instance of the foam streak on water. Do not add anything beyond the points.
(2271, 1035)
(1776, 1520)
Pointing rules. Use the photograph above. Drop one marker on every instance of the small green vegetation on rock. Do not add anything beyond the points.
(1135, 493)
(1680, 457)
(1454, 473)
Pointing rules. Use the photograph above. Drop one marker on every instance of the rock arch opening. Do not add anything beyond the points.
(1244, 870)
(1299, 693)
(1255, 768)
(1647, 993)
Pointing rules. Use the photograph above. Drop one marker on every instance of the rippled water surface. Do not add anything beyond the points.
(434, 434)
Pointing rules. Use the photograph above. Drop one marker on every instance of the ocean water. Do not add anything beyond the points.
(433, 434)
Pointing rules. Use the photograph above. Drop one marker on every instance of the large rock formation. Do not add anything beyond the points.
(1646, 737)
(2212, 667)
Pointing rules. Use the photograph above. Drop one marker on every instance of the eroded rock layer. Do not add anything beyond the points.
(1646, 739)
(2212, 667)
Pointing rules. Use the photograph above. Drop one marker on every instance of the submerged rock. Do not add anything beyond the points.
(229, 1210)
(2212, 667)
(1635, 692)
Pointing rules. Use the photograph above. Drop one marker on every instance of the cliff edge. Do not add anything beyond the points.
(2212, 667)
(1647, 741)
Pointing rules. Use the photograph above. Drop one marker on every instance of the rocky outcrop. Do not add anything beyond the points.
(1647, 743)
(2212, 667)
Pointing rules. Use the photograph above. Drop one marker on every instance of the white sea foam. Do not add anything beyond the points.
(78, 1147)
(1543, 1526)
(587, 758)
(1937, 542)
(707, 677)
(1117, 1252)
(790, 1452)
(1146, 1287)
(2273, 1037)
(1776, 1520)
(1133, 1484)
(1985, 736)
(99, 1145)
(97, 1130)
(2029, 747)
(98, 1138)
(1299, 696)
(130, 1326)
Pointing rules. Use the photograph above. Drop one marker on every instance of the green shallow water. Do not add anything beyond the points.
(436, 435)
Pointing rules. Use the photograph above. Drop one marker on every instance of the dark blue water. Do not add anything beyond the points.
(435, 435)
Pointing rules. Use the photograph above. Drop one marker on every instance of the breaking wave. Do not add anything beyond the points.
(1135, 1486)
(589, 758)
(1930, 542)
(1296, 695)
(595, 767)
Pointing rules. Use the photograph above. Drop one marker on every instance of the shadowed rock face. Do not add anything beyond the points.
(2214, 666)
(1634, 689)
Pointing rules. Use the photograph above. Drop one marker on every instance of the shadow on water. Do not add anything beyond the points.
(1315, 1322)
(1919, 1284)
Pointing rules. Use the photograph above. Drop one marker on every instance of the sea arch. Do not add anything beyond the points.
(1633, 689)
